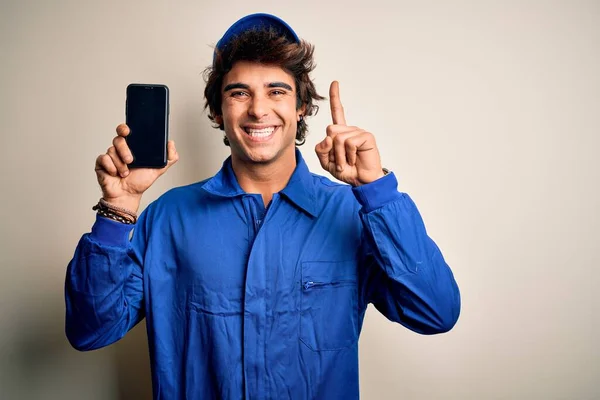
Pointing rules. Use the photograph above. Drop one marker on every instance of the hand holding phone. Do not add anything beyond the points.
(121, 185)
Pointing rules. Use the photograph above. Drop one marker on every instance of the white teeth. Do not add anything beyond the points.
(260, 132)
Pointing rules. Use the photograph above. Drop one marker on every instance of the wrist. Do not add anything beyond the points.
(131, 203)
(371, 179)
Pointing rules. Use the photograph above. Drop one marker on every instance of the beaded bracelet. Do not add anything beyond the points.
(121, 210)
(114, 217)
(115, 213)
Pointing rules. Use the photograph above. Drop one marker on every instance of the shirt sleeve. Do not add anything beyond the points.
(405, 275)
(104, 285)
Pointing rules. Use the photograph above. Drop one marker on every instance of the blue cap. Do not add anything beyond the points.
(259, 20)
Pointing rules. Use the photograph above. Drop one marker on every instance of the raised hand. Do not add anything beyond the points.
(120, 185)
(348, 153)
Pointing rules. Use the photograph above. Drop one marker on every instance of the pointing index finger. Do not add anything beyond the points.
(337, 110)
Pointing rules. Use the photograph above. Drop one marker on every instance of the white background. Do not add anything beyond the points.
(487, 111)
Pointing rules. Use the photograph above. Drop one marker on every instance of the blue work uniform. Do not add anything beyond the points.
(255, 302)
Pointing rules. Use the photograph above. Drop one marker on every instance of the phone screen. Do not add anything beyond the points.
(147, 115)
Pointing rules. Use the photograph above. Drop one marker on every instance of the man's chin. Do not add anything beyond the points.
(257, 157)
(261, 155)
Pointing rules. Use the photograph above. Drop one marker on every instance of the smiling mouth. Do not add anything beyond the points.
(260, 134)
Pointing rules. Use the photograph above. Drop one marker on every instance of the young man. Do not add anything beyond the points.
(254, 283)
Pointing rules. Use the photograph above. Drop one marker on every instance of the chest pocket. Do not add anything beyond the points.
(329, 305)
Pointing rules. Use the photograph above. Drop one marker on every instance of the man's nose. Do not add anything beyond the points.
(259, 107)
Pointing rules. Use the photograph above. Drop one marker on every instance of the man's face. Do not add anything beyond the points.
(259, 112)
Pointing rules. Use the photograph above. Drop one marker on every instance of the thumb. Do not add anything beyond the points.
(322, 149)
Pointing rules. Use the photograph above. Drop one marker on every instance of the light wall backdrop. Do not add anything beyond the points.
(487, 111)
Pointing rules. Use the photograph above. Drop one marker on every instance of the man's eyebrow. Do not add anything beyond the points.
(281, 85)
(236, 85)
(239, 85)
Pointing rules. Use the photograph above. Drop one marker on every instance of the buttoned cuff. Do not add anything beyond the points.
(377, 193)
(109, 232)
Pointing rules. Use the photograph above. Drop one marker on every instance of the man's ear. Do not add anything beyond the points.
(219, 119)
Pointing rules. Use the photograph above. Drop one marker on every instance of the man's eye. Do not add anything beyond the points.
(238, 94)
(278, 92)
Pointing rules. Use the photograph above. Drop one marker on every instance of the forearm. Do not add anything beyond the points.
(103, 287)
(414, 286)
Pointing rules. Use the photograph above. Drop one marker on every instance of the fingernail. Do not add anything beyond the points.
(124, 174)
(339, 168)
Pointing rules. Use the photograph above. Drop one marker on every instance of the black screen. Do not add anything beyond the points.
(147, 118)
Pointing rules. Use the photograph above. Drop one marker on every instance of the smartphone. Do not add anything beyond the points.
(147, 115)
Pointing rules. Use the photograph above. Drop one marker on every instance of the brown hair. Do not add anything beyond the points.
(265, 46)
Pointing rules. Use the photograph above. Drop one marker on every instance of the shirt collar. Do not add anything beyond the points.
(300, 189)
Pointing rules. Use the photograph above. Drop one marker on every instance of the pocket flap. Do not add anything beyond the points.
(329, 271)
